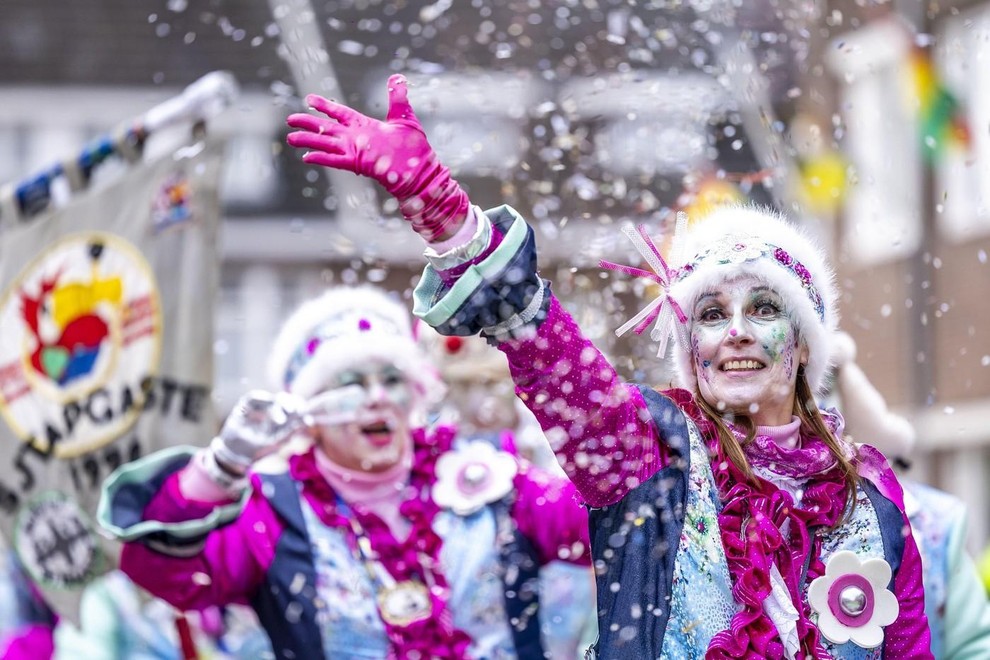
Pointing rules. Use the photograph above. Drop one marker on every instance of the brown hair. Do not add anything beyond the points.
(806, 409)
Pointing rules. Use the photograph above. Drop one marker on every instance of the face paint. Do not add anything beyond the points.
(364, 423)
(704, 373)
(743, 346)
(336, 407)
(383, 381)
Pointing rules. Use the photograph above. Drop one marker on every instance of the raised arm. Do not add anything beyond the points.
(482, 277)
(195, 532)
(599, 427)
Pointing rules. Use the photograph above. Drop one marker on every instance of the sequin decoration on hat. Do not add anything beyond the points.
(740, 248)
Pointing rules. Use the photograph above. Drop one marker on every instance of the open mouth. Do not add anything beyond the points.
(379, 433)
(742, 365)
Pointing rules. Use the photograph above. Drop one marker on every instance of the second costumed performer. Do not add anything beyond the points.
(385, 539)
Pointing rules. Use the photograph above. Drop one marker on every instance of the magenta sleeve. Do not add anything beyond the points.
(599, 427)
(909, 635)
(548, 512)
(229, 566)
(30, 642)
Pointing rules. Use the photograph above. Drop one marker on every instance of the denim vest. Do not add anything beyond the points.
(664, 588)
(317, 594)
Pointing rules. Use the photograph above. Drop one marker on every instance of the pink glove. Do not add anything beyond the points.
(395, 153)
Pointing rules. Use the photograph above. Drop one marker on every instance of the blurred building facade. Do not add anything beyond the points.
(583, 115)
(913, 236)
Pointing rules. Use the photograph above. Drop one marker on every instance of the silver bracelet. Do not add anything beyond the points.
(232, 484)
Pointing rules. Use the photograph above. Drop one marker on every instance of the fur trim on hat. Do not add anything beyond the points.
(737, 240)
(347, 327)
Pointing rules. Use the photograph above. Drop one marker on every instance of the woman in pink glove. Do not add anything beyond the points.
(731, 518)
(382, 539)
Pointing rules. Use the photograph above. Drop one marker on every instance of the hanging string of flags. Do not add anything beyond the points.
(201, 100)
(941, 116)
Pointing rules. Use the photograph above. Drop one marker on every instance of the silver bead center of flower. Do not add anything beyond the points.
(852, 600)
(474, 475)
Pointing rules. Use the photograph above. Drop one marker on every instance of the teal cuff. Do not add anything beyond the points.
(145, 470)
(436, 306)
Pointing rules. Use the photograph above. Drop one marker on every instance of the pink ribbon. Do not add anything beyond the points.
(663, 309)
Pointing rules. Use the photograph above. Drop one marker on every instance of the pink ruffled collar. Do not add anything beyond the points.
(415, 557)
(749, 525)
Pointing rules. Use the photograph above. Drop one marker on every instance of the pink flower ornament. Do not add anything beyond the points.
(852, 600)
(473, 476)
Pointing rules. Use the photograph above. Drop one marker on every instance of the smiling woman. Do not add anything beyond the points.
(763, 302)
(746, 351)
(718, 507)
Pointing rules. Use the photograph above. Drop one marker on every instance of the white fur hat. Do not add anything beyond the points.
(736, 240)
(342, 328)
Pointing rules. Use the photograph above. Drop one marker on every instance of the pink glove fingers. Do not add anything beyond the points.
(314, 124)
(320, 141)
(399, 109)
(326, 160)
(395, 153)
(342, 113)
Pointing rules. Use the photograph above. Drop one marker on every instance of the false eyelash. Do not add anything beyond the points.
(705, 311)
(760, 302)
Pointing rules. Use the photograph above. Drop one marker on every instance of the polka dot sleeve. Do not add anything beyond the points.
(598, 426)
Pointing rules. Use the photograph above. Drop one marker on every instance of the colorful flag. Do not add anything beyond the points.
(941, 118)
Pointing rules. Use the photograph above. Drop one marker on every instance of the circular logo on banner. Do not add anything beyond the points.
(55, 542)
(80, 336)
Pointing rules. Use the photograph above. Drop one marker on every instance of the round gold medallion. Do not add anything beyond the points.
(404, 603)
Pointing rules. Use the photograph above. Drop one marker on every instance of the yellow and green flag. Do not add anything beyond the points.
(941, 117)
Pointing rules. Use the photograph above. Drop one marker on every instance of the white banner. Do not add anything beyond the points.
(106, 353)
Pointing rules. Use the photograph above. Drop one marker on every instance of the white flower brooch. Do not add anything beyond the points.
(473, 476)
(852, 600)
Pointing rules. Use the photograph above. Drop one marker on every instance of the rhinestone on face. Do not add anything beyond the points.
(852, 600)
